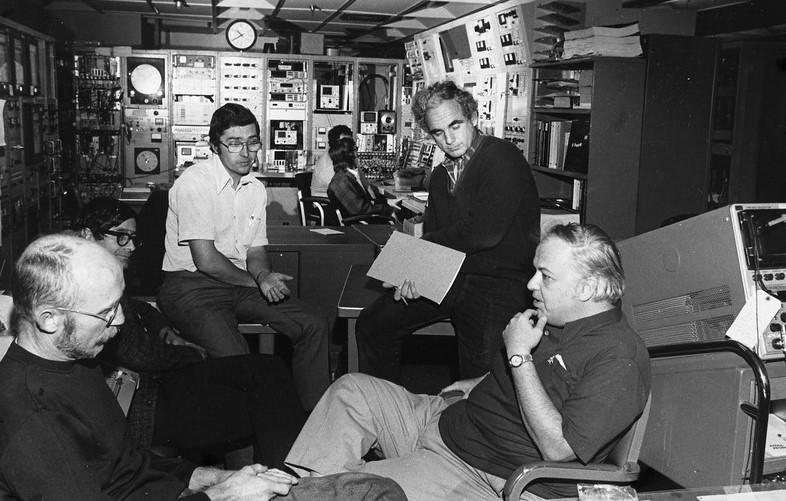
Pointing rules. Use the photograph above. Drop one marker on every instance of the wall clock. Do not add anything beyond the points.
(241, 35)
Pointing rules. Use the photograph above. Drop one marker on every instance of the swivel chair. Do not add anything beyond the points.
(345, 219)
(621, 466)
(312, 209)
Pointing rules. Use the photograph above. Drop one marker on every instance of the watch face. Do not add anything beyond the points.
(241, 35)
(515, 360)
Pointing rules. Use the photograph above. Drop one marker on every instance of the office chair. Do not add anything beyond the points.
(621, 465)
(312, 209)
(343, 218)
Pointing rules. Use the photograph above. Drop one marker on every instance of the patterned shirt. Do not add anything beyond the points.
(455, 166)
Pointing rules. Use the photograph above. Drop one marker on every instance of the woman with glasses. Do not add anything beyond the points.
(196, 405)
(349, 190)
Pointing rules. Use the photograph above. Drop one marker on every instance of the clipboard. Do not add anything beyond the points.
(433, 267)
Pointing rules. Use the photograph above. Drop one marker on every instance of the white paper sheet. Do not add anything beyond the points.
(433, 267)
(327, 231)
(754, 317)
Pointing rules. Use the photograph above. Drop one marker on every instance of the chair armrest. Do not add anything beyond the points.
(595, 472)
(317, 200)
(369, 219)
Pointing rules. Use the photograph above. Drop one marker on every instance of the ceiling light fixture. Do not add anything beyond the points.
(180, 4)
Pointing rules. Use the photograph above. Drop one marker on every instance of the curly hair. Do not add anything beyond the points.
(596, 256)
(336, 132)
(435, 93)
(343, 154)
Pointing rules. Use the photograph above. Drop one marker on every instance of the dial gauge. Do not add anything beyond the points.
(146, 161)
(146, 79)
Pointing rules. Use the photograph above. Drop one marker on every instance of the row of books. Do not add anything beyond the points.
(561, 145)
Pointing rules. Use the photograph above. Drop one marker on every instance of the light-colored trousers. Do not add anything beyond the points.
(360, 412)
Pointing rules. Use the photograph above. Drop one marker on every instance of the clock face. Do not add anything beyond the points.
(146, 161)
(241, 35)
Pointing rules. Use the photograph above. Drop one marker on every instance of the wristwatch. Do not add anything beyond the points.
(518, 360)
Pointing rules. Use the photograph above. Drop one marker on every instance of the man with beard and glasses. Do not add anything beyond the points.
(63, 435)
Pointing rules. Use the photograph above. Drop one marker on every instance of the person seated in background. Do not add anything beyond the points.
(62, 433)
(195, 405)
(349, 190)
(573, 376)
(323, 169)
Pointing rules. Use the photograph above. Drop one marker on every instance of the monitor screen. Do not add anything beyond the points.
(764, 237)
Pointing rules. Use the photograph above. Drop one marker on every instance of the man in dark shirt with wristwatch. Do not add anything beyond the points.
(572, 378)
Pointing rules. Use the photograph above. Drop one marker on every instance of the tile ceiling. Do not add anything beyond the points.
(341, 21)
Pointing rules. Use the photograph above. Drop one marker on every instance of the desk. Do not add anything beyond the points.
(777, 490)
(319, 263)
(360, 291)
(377, 234)
(405, 197)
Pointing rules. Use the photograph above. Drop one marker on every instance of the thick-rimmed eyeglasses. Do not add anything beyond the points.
(109, 318)
(123, 238)
(252, 146)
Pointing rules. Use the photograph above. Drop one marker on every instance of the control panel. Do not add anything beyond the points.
(241, 82)
(148, 145)
(194, 88)
(287, 104)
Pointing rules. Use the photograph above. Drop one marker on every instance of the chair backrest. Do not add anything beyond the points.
(628, 448)
(303, 183)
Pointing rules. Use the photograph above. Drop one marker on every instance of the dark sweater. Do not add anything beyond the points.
(493, 215)
(62, 436)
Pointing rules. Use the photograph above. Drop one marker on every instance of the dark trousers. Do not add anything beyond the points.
(207, 313)
(225, 403)
(479, 307)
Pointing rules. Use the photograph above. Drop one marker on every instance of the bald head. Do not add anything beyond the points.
(60, 272)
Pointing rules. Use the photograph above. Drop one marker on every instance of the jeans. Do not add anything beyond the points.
(207, 313)
(479, 308)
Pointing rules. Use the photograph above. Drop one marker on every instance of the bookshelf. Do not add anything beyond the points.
(586, 137)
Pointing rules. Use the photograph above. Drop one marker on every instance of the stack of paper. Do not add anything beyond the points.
(603, 41)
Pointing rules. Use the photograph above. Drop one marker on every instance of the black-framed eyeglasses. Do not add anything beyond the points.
(109, 318)
(252, 145)
(123, 238)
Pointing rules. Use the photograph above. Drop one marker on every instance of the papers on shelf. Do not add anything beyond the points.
(603, 46)
(433, 267)
(604, 31)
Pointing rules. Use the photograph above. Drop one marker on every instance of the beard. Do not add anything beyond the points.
(70, 346)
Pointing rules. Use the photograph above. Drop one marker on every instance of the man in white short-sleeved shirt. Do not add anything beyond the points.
(217, 271)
